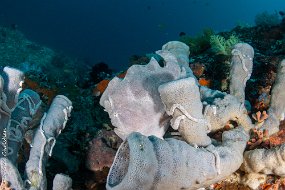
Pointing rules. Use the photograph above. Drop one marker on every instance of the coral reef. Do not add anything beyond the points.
(194, 111)
(269, 161)
(34, 59)
(267, 19)
(50, 73)
(22, 53)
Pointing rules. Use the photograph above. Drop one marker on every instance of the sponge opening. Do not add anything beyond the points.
(120, 165)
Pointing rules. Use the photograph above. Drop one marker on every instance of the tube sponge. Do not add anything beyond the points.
(28, 104)
(182, 101)
(223, 108)
(11, 174)
(271, 161)
(146, 163)
(241, 69)
(276, 111)
(181, 52)
(52, 123)
(13, 85)
(266, 161)
(62, 182)
(11, 80)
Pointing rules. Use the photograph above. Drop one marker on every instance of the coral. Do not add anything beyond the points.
(30, 57)
(100, 155)
(198, 69)
(260, 117)
(100, 152)
(100, 87)
(47, 94)
(273, 182)
(263, 100)
(267, 19)
(18, 51)
(204, 82)
(258, 138)
(5, 185)
(220, 45)
(198, 43)
(253, 180)
(99, 72)
(278, 138)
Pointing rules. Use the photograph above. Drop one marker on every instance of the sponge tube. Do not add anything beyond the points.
(276, 110)
(146, 163)
(182, 101)
(241, 69)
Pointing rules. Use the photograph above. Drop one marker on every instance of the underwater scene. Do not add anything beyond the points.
(142, 95)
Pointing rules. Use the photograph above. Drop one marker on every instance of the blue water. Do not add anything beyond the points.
(113, 30)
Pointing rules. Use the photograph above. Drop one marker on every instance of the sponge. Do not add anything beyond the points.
(276, 111)
(241, 69)
(146, 163)
(134, 104)
(182, 101)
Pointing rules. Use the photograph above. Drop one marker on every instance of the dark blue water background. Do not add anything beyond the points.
(113, 30)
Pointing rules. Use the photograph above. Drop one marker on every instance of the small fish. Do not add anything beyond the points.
(182, 34)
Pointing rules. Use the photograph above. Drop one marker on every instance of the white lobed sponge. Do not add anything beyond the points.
(134, 104)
